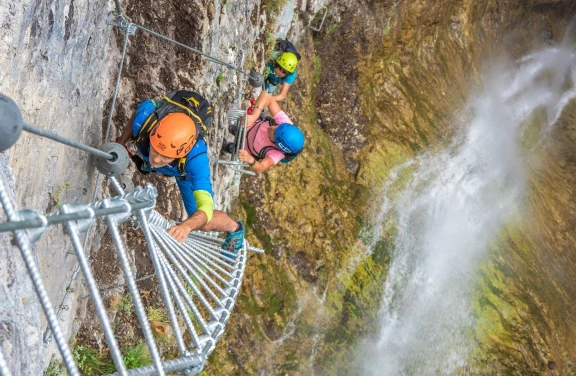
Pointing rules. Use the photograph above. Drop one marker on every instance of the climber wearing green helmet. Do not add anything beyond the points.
(281, 70)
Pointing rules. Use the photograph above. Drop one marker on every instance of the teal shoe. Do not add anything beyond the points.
(234, 240)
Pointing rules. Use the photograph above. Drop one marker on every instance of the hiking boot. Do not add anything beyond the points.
(233, 128)
(234, 241)
(228, 148)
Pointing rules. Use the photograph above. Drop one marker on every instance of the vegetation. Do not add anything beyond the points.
(55, 369)
(93, 362)
(273, 7)
(125, 305)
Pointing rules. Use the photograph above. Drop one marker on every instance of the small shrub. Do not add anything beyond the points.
(55, 369)
(137, 356)
(125, 304)
(90, 361)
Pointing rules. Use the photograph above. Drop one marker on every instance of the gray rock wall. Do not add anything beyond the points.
(59, 64)
(55, 64)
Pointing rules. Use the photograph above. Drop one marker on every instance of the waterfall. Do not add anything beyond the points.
(453, 206)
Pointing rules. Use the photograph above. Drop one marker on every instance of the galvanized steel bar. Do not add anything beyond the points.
(96, 299)
(24, 246)
(162, 278)
(198, 258)
(190, 283)
(58, 218)
(116, 184)
(174, 293)
(77, 145)
(214, 239)
(193, 308)
(176, 290)
(177, 262)
(118, 7)
(193, 362)
(191, 269)
(135, 294)
(191, 266)
(211, 58)
(213, 251)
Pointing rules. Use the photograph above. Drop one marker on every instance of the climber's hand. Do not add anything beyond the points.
(244, 156)
(179, 232)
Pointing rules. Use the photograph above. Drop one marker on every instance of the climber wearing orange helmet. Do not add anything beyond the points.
(169, 139)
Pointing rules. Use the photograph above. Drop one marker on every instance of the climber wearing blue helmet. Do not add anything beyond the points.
(270, 140)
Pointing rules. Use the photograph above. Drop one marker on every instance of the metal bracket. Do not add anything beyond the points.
(114, 202)
(81, 224)
(322, 22)
(34, 233)
(123, 25)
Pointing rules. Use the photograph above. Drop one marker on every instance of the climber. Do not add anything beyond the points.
(281, 69)
(169, 137)
(269, 140)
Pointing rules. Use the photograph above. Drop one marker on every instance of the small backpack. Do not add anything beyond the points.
(149, 113)
(284, 45)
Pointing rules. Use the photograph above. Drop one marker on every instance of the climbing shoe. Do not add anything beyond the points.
(228, 148)
(234, 240)
(233, 128)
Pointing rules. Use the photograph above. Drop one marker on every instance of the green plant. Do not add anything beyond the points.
(156, 314)
(90, 361)
(56, 195)
(220, 79)
(273, 7)
(55, 369)
(317, 69)
(125, 304)
(136, 356)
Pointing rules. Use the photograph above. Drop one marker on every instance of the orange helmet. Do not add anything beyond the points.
(174, 135)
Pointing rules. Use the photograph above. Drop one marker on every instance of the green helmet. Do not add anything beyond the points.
(288, 61)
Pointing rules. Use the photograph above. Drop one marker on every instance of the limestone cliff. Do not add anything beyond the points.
(378, 85)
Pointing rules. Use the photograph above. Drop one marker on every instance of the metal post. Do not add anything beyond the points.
(154, 255)
(65, 141)
(125, 264)
(24, 246)
(118, 8)
(93, 289)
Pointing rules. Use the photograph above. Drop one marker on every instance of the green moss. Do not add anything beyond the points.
(264, 238)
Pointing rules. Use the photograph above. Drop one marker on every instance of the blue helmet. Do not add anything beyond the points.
(289, 138)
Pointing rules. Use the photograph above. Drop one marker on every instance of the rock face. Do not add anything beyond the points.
(53, 63)
(59, 63)
(375, 87)
(410, 65)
